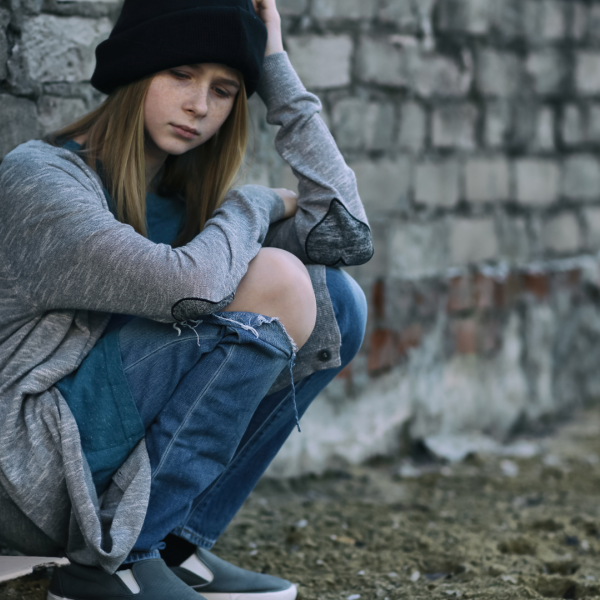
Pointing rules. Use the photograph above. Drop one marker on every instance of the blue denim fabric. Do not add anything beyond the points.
(211, 431)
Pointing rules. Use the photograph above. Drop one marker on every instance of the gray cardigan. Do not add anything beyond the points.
(66, 264)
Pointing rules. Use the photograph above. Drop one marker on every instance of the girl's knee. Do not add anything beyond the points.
(277, 284)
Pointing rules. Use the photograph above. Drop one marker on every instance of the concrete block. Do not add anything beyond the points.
(561, 234)
(537, 181)
(438, 183)
(506, 18)
(402, 13)
(473, 240)
(4, 20)
(464, 16)
(548, 71)
(418, 249)
(581, 177)
(437, 75)
(514, 239)
(343, 9)
(18, 123)
(497, 123)
(308, 53)
(358, 124)
(499, 73)
(55, 113)
(62, 48)
(454, 126)
(587, 72)
(593, 22)
(383, 185)
(591, 217)
(292, 8)
(487, 179)
(544, 131)
(383, 63)
(579, 21)
(551, 22)
(593, 123)
(413, 126)
(573, 127)
(380, 125)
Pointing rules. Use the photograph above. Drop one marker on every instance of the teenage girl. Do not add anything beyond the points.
(161, 333)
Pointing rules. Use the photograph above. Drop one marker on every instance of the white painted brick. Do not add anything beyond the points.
(554, 22)
(383, 185)
(413, 126)
(454, 126)
(593, 123)
(537, 181)
(514, 239)
(592, 221)
(464, 16)
(321, 61)
(436, 75)
(438, 183)
(383, 63)
(472, 241)
(380, 126)
(292, 7)
(62, 48)
(561, 234)
(499, 73)
(497, 123)
(581, 177)
(544, 132)
(343, 9)
(573, 129)
(587, 72)
(402, 13)
(55, 113)
(579, 21)
(487, 179)
(548, 70)
(418, 250)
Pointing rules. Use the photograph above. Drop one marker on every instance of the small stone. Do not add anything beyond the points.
(509, 468)
(302, 523)
(392, 575)
(360, 573)
(508, 579)
(353, 597)
(415, 576)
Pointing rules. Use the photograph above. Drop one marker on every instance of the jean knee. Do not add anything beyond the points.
(350, 309)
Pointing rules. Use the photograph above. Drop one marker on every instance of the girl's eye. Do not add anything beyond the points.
(222, 93)
(179, 74)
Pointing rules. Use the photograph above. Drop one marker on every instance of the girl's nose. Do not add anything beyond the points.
(198, 102)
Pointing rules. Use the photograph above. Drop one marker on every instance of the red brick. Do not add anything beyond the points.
(465, 336)
(460, 294)
(537, 284)
(487, 291)
(382, 351)
(409, 338)
(509, 290)
(378, 299)
(490, 336)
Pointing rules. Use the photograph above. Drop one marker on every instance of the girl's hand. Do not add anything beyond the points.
(290, 199)
(267, 11)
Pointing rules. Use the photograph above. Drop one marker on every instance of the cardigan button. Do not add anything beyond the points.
(324, 355)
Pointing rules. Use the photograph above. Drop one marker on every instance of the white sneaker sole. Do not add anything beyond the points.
(289, 594)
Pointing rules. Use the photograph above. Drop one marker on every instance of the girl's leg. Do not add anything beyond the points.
(272, 423)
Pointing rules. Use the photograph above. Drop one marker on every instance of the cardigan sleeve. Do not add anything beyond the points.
(330, 226)
(65, 249)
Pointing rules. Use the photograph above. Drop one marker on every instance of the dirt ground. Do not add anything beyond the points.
(487, 527)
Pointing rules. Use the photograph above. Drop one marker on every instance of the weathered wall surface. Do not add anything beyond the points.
(473, 127)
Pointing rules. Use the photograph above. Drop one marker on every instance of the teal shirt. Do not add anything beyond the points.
(98, 392)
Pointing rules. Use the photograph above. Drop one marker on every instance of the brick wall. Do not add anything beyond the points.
(473, 127)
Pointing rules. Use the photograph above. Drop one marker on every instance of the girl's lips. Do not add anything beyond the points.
(188, 134)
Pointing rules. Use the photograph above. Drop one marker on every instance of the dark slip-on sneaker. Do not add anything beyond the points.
(217, 579)
(146, 580)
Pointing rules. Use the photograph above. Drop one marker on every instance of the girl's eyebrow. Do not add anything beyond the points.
(224, 80)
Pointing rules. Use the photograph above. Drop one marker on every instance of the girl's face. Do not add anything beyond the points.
(186, 106)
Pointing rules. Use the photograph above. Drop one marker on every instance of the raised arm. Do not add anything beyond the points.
(330, 226)
(67, 251)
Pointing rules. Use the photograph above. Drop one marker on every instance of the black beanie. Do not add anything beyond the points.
(154, 35)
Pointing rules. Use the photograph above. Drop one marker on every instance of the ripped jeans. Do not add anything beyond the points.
(211, 428)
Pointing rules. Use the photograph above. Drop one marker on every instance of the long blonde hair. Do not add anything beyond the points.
(201, 177)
